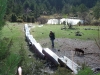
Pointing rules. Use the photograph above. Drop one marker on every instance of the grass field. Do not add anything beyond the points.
(15, 31)
(43, 32)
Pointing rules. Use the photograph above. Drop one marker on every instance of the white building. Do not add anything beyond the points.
(71, 21)
(52, 21)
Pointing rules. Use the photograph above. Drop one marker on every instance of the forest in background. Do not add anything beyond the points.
(31, 10)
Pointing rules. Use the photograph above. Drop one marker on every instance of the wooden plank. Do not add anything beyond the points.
(26, 35)
(31, 40)
(72, 65)
(62, 62)
(38, 50)
(51, 56)
(26, 28)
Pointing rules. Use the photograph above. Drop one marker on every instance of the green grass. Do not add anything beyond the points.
(12, 30)
(43, 32)
(15, 31)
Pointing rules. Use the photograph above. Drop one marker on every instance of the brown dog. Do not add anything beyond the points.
(79, 51)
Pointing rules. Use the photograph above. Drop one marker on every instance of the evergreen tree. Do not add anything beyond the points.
(3, 6)
(96, 10)
(82, 12)
(66, 9)
(26, 4)
(82, 8)
(40, 7)
(8, 62)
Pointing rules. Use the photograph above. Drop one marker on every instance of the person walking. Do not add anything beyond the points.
(52, 38)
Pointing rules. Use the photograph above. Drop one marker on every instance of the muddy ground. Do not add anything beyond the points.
(65, 47)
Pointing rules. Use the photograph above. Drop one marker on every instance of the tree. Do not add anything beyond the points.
(18, 10)
(74, 11)
(36, 12)
(48, 7)
(13, 18)
(8, 62)
(26, 4)
(82, 12)
(42, 20)
(53, 10)
(96, 10)
(82, 8)
(3, 6)
(66, 9)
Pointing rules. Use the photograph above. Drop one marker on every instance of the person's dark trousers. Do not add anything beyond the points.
(52, 41)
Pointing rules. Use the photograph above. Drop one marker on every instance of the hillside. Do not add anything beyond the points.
(31, 10)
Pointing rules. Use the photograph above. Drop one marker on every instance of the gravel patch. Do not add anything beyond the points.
(65, 47)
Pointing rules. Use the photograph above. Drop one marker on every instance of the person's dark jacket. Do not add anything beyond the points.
(52, 36)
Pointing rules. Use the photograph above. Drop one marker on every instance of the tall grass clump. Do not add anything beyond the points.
(8, 61)
(62, 71)
(86, 71)
(5, 46)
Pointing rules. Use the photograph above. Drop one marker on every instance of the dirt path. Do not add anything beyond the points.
(65, 47)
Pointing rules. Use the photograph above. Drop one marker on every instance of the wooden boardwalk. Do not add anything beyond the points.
(65, 61)
(49, 54)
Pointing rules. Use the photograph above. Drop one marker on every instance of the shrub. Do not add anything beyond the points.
(96, 23)
(20, 20)
(13, 18)
(85, 71)
(62, 71)
(5, 45)
(42, 20)
(8, 61)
